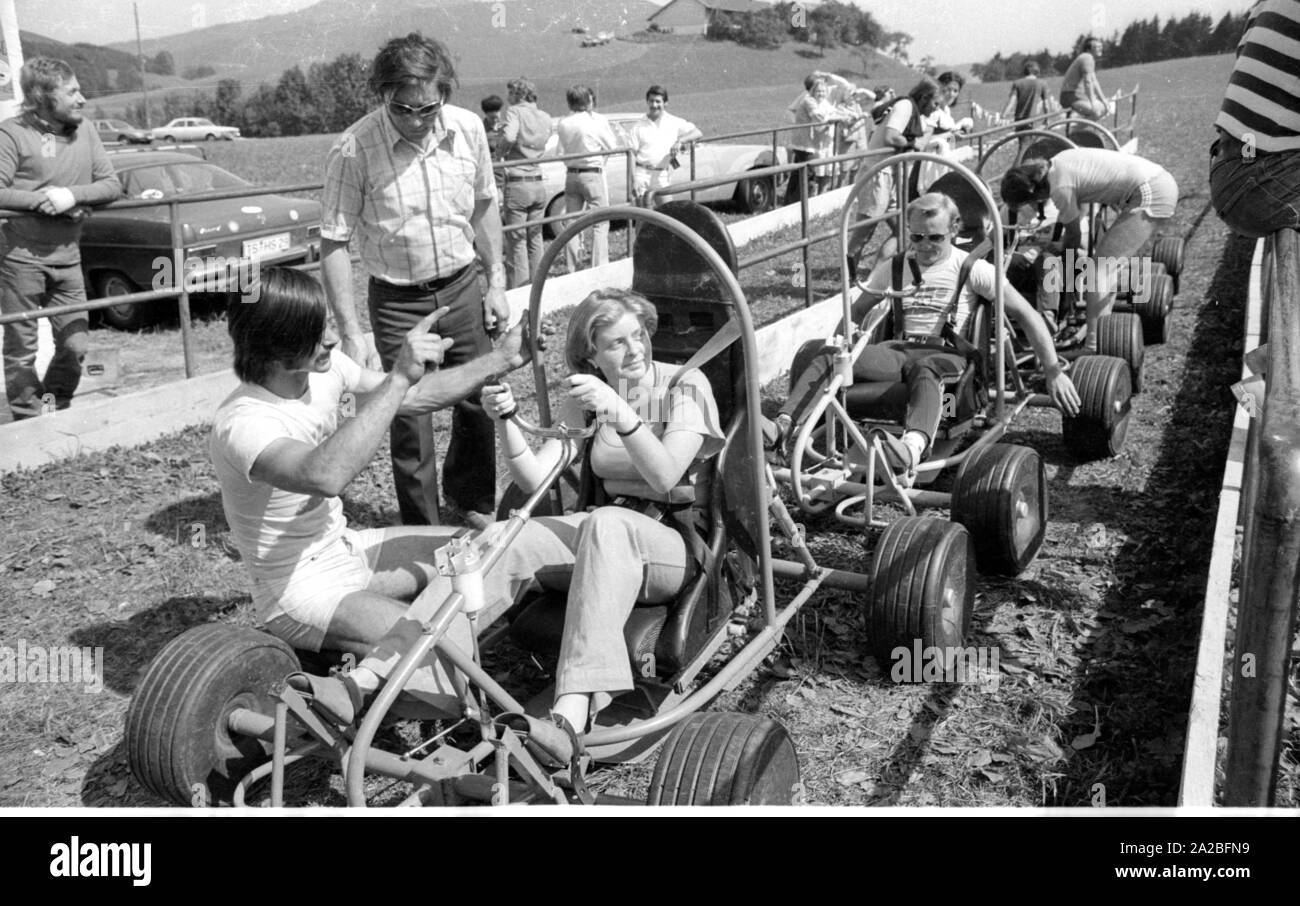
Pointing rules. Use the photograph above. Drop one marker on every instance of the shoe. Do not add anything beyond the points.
(777, 436)
(899, 456)
(452, 514)
(335, 697)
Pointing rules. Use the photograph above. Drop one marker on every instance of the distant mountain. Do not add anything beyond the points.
(489, 40)
(494, 42)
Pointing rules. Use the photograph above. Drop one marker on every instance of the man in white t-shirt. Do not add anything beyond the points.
(919, 357)
(657, 138)
(304, 422)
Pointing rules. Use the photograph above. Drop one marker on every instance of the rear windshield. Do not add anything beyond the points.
(179, 179)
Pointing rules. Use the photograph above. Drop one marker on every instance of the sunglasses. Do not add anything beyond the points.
(931, 237)
(424, 113)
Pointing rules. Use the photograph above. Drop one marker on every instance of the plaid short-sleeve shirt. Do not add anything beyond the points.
(410, 207)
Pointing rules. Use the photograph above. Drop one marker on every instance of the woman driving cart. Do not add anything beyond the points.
(654, 427)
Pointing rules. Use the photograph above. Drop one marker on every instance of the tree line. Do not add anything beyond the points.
(827, 25)
(1142, 41)
(328, 97)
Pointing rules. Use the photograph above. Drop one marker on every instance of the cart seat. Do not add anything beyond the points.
(692, 304)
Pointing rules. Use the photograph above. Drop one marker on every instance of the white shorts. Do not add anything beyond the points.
(1157, 197)
(299, 609)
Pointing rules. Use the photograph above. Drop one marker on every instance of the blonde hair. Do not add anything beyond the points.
(600, 309)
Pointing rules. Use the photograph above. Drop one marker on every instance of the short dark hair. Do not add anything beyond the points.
(580, 97)
(949, 77)
(285, 323)
(41, 75)
(414, 59)
(1032, 68)
(1024, 183)
(657, 89)
(492, 103)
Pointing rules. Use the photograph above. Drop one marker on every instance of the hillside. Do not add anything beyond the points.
(99, 69)
(491, 48)
(488, 40)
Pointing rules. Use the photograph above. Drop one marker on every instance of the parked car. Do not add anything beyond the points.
(753, 195)
(195, 129)
(122, 131)
(120, 247)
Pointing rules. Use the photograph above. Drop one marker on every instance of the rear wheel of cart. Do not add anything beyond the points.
(1120, 335)
(1000, 495)
(1105, 398)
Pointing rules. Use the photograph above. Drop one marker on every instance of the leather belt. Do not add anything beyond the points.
(584, 169)
(523, 179)
(427, 286)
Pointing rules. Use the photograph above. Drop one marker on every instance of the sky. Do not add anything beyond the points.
(952, 31)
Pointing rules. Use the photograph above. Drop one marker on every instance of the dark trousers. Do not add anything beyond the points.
(923, 367)
(469, 471)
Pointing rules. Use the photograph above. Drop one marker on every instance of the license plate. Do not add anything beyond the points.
(266, 245)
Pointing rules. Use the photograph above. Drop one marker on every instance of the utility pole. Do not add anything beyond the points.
(139, 52)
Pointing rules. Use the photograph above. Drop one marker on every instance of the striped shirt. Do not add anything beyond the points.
(1263, 97)
(409, 206)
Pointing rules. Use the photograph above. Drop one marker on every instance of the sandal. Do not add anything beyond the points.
(338, 697)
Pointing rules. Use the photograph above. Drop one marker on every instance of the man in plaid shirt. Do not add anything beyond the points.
(412, 183)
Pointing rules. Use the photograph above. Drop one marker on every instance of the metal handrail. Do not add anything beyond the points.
(1270, 561)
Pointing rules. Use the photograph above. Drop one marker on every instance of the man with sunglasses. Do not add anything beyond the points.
(412, 183)
(920, 356)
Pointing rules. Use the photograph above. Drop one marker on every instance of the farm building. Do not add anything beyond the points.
(692, 17)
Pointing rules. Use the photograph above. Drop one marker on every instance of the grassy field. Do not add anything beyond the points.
(1097, 637)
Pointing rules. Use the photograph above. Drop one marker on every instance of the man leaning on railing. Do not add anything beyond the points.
(53, 172)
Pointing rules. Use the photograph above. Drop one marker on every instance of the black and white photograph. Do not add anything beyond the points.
(832, 408)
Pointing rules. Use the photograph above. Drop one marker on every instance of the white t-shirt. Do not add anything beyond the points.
(922, 311)
(276, 529)
(1080, 176)
(653, 140)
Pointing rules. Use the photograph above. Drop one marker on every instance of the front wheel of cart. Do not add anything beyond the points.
(720, 758)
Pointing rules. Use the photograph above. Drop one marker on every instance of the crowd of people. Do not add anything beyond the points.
(412, 187)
